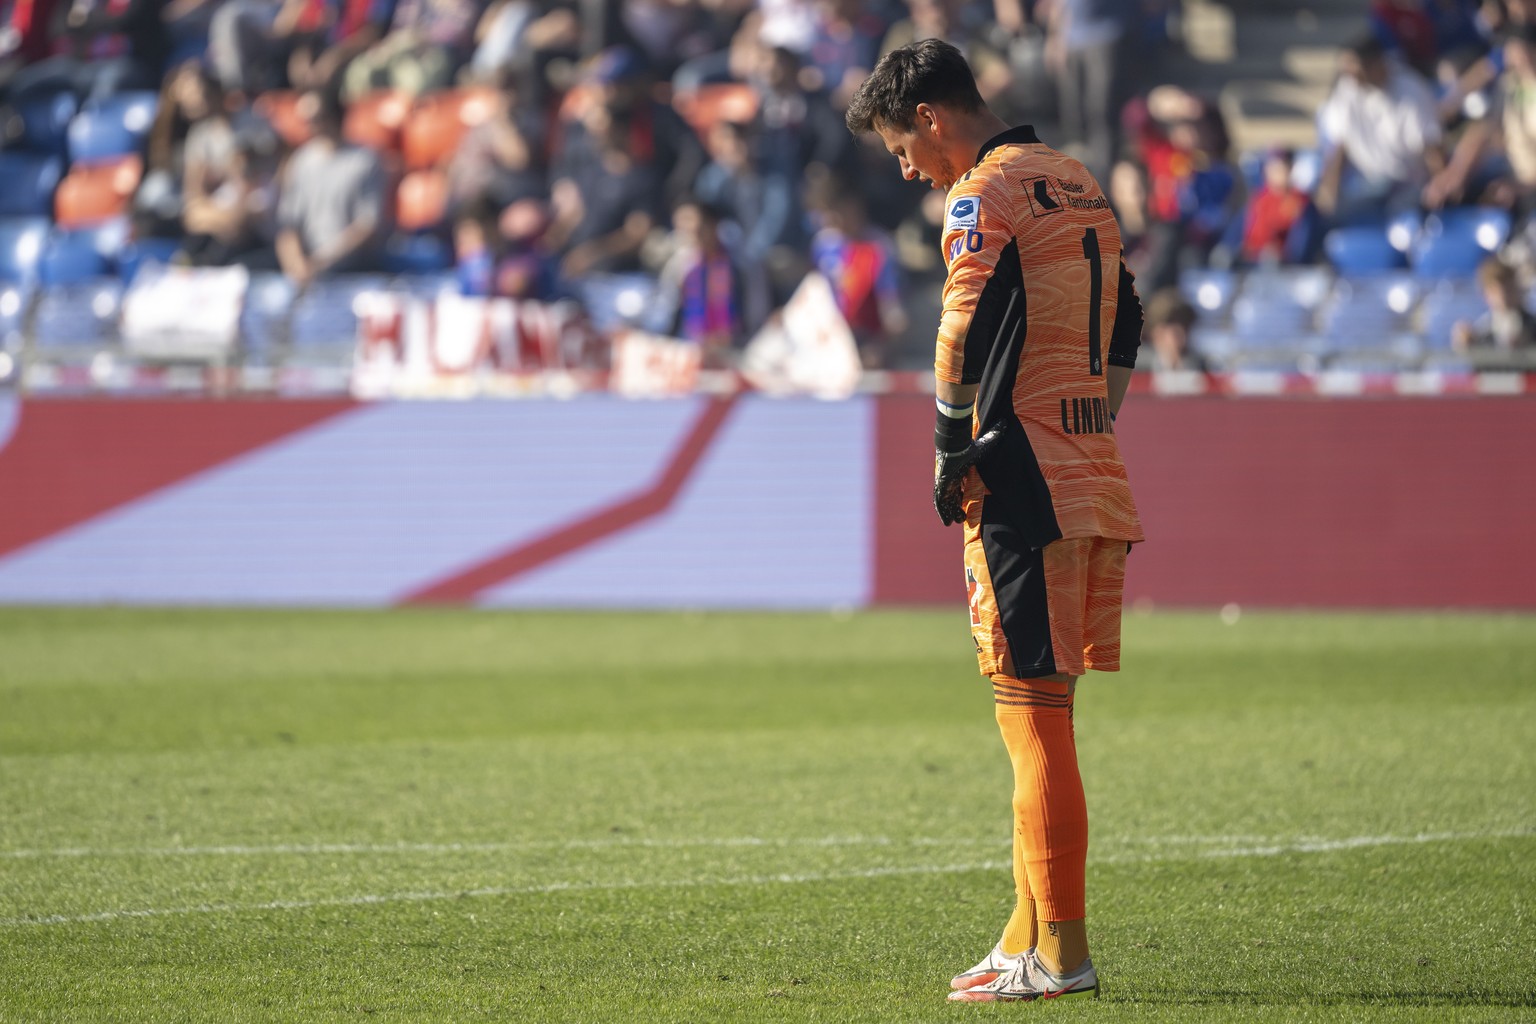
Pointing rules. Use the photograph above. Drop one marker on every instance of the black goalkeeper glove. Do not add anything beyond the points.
(949, 475)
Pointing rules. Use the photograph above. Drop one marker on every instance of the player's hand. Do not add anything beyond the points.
(949, 475)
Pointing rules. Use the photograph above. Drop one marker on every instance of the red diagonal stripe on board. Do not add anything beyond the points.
(71, 460)
(465, 586)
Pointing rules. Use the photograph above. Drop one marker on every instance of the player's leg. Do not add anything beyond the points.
(1051, 830)
(1042, 596)
(1050, 812)
(992, 652)
(1084, 581)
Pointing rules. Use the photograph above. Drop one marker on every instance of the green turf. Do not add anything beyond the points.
(445, 816)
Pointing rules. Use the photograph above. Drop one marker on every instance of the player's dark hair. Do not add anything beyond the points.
(931, 71)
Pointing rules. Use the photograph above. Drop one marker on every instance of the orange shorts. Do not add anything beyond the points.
(1039, 611)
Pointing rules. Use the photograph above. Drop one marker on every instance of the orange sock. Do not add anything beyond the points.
(1063, 945)
(1019, 933)
(1050, 814)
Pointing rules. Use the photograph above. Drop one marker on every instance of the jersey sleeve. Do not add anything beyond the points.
(984, 281)
(1126, 337)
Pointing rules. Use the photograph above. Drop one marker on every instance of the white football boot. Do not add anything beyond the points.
(1028, 979)
(992, 966)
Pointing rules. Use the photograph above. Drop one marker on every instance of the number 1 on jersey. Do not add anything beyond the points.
(1095, 298)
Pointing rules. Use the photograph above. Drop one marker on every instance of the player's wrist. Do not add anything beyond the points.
(952, 427)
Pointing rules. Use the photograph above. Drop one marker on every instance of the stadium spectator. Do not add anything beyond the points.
(1169, 320)
(1193, 190)
(607, 201)
(250, 41)
(100, 47)
(1085, 49)
(427, 42)
(762, 211)
(796, 128)
(618, 82)
(1507, 326)
(517, 38)
(1277, 226)
(790, 24)
(859, 261)
(1494, 161)
(191, 113)
(231, 220)
(348, 28)
(964, 26)
(846, 43)
(24, 36)
(332, 212)
(667, 33)
(1455, 26)
(474, 259)
(1381, 131)
(1404, 27)
(497, 161)
(526, 268)
(196, 145)
(702, 285)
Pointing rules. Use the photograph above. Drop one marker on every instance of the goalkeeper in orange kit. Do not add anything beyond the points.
(1036, 343)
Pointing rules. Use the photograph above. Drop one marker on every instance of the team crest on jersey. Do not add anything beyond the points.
(963, 213)
(1044, 198)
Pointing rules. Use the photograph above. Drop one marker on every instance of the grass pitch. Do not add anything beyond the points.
(459, 816)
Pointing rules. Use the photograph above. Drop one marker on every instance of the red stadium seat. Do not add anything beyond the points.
(280, 108)
(437, 124)
(711, 104)
(422, 200)
(375, 120)
(93, 192)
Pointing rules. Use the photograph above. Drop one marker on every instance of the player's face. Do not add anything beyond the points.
(917, 149)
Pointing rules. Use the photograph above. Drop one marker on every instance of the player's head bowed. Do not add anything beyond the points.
(929, 72)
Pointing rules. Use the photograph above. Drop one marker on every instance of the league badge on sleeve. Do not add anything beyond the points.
(963, 214)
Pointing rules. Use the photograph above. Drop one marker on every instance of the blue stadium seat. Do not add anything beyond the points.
(426, 286)
(323, 316)
(29, 181)
(1404, 229)
(1445, 303)
(13, 313)
(1210, 291)
(83, 254)
(45, 122)
(79, 314)
(112, 126)
(1216, 345)
(417, 254)
(1251, 164)
(22, 241)
(145, 250)
(1307, 169)
(1371, 314)
(1274, 310)
(1362, 250)
(267, 302)
(1455, 241)
(1270, 320)
(618, 300)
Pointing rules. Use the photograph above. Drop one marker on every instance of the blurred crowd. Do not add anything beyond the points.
(528, 147)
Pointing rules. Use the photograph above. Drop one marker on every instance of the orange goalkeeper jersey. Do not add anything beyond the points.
(1037, 303)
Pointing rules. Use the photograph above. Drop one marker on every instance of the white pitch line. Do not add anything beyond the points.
(617, 842)
(1307, 844)
(1303, 845)
(614, 842)
(553, 887)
